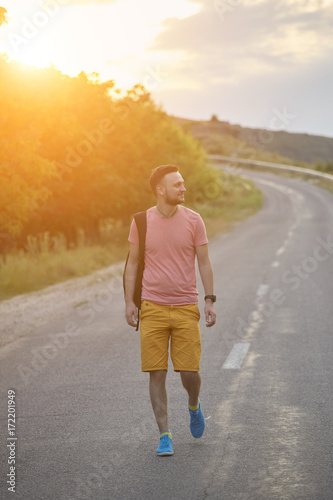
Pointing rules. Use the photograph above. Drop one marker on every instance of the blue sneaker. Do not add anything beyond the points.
(165, 447)
(197, 424)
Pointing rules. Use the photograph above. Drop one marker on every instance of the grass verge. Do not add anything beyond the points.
(240, 199)
(316, 181)
(40, 266)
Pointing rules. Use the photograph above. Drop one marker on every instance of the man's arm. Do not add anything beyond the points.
(206, 273)
(130, 278)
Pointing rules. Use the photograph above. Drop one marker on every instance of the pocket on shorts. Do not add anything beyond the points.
(144, 307)
(150, 308)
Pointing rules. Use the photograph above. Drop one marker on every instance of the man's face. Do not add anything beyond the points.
(174, 188)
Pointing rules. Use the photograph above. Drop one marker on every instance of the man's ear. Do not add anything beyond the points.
(160, 189)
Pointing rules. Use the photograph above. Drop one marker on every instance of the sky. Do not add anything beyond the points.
(257, 63)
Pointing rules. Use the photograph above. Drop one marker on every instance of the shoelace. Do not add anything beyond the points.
(196, 418)
(165, 440)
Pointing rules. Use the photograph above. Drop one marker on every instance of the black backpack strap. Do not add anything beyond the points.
(141, 223)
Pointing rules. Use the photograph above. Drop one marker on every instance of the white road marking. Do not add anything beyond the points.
(280, 251)
(262, 290)
(236, 356)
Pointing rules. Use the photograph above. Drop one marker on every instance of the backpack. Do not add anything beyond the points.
(141, 223)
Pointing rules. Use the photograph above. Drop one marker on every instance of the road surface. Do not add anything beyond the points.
(84, 424)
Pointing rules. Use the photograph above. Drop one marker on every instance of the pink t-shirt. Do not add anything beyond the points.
(169, 277)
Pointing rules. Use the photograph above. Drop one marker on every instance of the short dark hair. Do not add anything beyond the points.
(158, 173)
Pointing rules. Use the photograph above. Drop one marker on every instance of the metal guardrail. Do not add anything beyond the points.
(280, 166)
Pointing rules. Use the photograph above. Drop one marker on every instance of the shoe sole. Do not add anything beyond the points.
(165, 454)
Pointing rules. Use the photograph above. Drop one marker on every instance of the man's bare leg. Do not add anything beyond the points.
(192, 383)
(159, 398)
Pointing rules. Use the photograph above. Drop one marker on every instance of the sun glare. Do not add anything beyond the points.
(110, 39)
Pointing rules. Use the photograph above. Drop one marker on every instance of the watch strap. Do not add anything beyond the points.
(211, 297)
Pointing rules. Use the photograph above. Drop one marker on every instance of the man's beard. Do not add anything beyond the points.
(172, 201)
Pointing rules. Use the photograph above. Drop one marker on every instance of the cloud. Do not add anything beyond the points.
(254, 39)
(265, 29)
(259, 56)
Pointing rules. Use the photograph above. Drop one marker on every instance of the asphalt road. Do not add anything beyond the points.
(84, 424)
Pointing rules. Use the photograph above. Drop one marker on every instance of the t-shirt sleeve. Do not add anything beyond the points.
(134, 234)
(200, 233)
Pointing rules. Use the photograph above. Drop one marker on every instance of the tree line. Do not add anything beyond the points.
(76, 152)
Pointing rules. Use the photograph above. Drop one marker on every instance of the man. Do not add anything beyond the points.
(169, 311)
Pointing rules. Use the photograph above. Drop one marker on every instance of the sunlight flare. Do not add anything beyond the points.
(113, 39)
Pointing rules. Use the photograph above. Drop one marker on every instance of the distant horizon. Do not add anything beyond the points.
(248, 126)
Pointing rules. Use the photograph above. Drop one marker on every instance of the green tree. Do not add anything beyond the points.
(23, 172)
(73, 156)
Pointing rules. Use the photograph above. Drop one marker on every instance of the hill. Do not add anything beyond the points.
(221, 137)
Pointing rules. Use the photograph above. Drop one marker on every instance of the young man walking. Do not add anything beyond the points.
(169, 312)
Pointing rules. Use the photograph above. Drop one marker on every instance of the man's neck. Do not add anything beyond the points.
(166, 210)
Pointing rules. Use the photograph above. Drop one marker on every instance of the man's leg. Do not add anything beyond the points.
(155, 335)
(159, 399)
(192, 383)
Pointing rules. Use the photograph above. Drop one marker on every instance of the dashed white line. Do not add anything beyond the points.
(236, 357)
(280, 251)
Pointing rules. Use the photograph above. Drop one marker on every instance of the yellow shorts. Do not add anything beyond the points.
(159, 324)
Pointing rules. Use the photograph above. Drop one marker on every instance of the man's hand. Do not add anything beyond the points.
(210, 313)
(131, 314)
(206, 273)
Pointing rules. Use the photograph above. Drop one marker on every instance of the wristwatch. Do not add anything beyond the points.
(211, 297)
